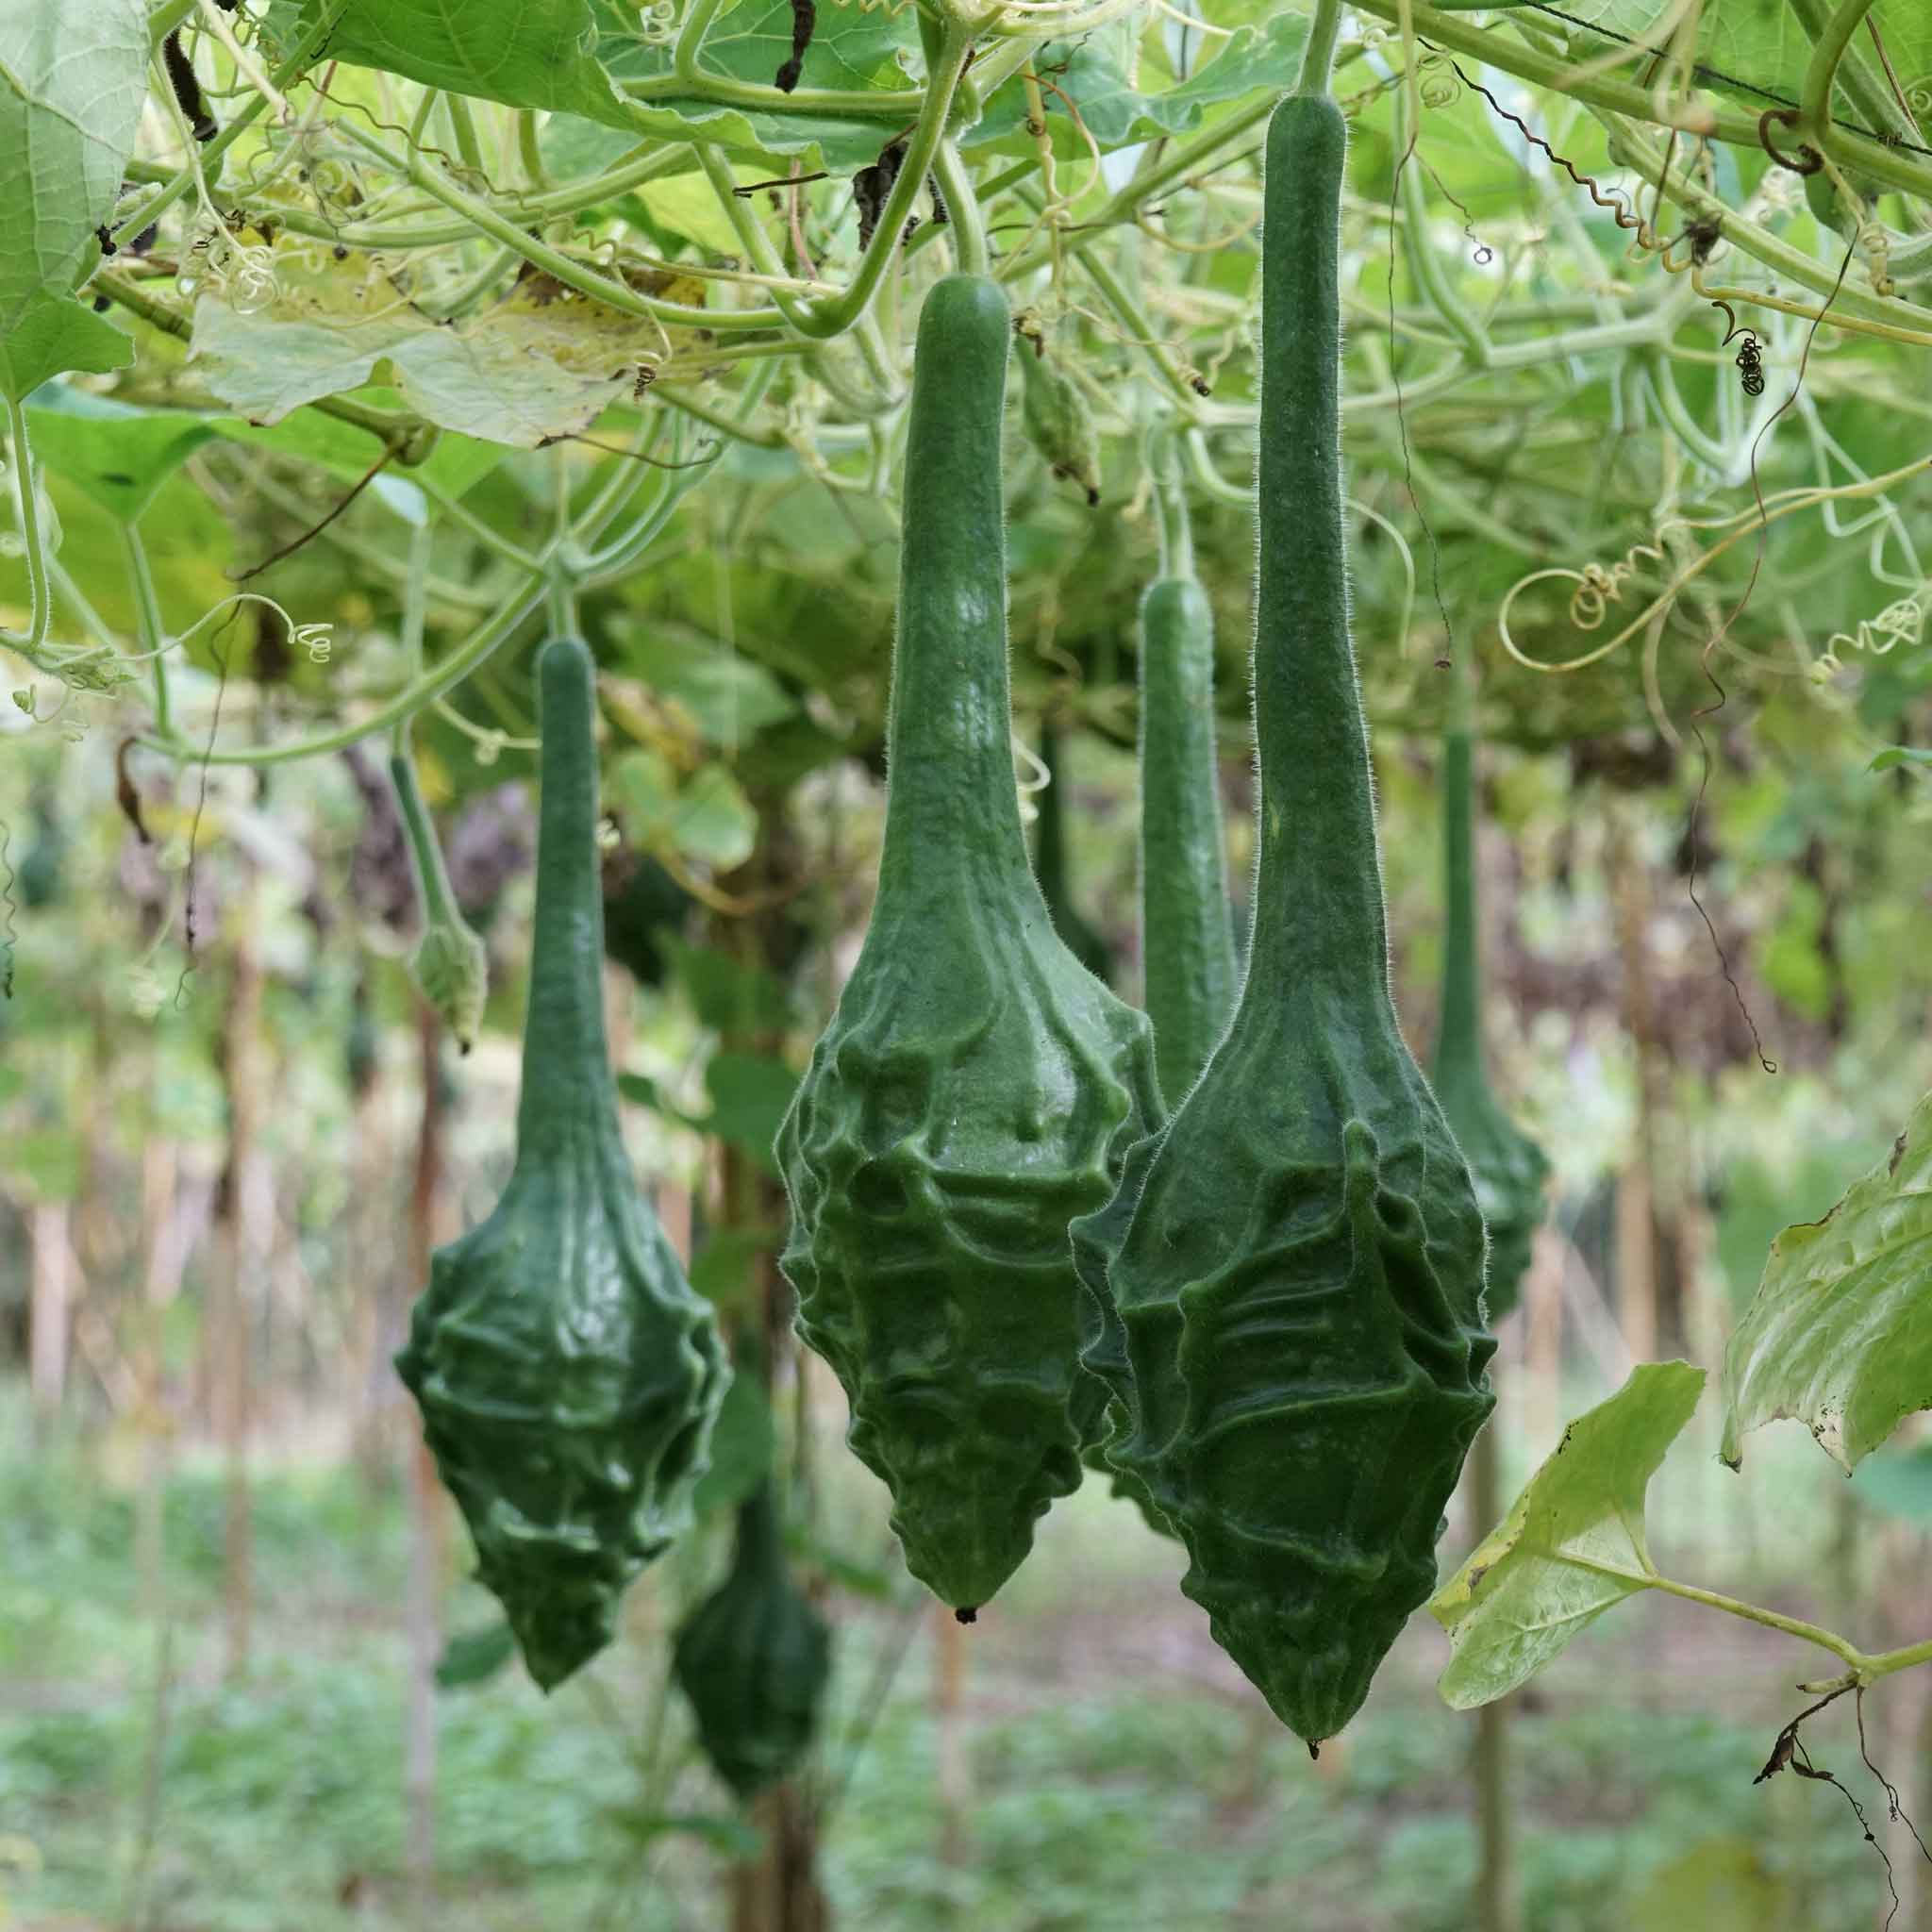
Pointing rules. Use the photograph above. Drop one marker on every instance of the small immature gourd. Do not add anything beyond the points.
(1290, 1277)
(450, 965)
(976, 1087)
(1509, 1168)
(754, 1660)
(567, 1375)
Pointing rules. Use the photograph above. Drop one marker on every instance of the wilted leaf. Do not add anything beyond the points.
(1571, 1545)
(1839, 1333)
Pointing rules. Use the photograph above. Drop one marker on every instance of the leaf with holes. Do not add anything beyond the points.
(1573, 1544)
(1839, 1333)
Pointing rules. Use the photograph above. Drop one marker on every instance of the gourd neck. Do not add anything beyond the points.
(951, 799)
(1318, 908)
(761, 1535)
(1460, 1040)
(567, 1093)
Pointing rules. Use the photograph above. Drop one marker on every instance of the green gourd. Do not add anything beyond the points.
(1509, 1168)
(754, 1660)
(1059, 424)
(449, 963)
(1289, 1282)
(976, 1087)
(1187, 937)
(1050, 859)
(567, 1375)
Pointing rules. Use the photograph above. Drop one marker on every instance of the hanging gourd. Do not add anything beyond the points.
(1290, 1279)
(1509, 1168)
(754, 1660)
(1187, 937)
(976, 1087)
(1050, 858)
(567, 1375)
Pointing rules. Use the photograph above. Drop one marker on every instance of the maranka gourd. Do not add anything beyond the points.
(1290, 1279)
(1509, 1168)
(754, 1659)
(568, 1375)
(976, 1087)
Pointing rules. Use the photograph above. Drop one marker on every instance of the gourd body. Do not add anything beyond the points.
(1289, 1281)
(1186, 935)
(567, 1375)
(1507, 1167)
(977, 1087)
(754, 1660)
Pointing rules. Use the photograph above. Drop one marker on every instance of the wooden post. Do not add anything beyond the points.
(427, 1520)
(228, 1299)
(49, 1307)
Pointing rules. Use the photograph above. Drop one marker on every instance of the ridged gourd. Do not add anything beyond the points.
(1289, 1282)
(754, 1659)
(977, 1087)
(566, 1374)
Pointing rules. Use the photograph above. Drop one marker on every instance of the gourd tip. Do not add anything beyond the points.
(969, 1615)
(1314, 1749)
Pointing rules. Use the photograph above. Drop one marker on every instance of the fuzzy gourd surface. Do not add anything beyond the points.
(754, 1660)
(567, 1375)
(1289, 1281)
(1509, 1170)
(977, 1087)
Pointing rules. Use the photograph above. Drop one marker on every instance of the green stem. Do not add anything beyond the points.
(613, 293)
(529, 152)
(418, 121)
(1318, 53)
(39, 597)
(1868, 92)
(438, 900)
(962, 210)
(1170, 506)
(462, 128)
(488, 637)
(1886, 1661)
(1791, 1626)
(1140, 331)
(147, 620)
(1814, 98)
(243, 119)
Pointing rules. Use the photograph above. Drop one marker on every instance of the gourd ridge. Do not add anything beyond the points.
(754, 1659)
(1290, 1280)
(567, 1375)
(976, 1087)
(1509, 1170)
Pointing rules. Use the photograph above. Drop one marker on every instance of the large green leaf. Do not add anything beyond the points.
(525, 53)
(854, 48)
(744, 1441)
(729, 697)
(1758, 47)
(1839, 1333)
(73, 76)
(1571, 1546)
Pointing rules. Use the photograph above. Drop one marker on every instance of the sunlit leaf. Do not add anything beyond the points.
(1571, 1545)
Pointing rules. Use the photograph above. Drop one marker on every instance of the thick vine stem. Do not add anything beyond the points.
(40, 595)
(1868, 93)
(1318, 51)
(962, 212)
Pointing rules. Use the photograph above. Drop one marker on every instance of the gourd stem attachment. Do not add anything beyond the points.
(1170, 504)
(1318, 53)
(432, 877)
(565, 1021)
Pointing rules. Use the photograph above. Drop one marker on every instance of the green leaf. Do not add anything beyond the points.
(523, 53)
(728, 997)
(50, 1160)
(72, 78)
(474, 1656)
(749, 1095)
(1896, 755)
(729, 697)
(642, 1090)
(854, 48)
(120, 456)
(53, 335)
(1573, 1544)
(722, 1271)
(715, 821)
(743, 1442)
(1838, 1335)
